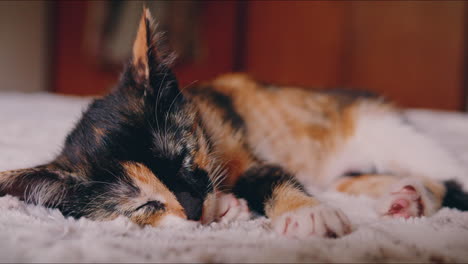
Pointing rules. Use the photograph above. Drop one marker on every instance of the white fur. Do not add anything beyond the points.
(227, 208)
(383, 141)
(319, 221)
(233, 209)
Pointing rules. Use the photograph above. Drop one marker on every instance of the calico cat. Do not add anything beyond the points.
(161, 155)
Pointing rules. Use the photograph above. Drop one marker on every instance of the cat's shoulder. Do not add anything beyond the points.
(234, 80)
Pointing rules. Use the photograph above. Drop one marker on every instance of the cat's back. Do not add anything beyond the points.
(295, 127)
(304, 112)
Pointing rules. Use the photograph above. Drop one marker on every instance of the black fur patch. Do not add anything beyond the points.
(356, 173)
(258, 183)
(455, 196)
(223, 102)
(192, 205)
(190, 188)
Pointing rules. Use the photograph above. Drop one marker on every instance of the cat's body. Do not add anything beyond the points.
(155, 154)
(317, 135)
(322, 137)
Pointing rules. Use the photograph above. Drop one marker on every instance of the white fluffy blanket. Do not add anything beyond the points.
(32, 128)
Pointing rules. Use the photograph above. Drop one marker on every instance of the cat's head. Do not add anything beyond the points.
(139, 151)
(172, 144)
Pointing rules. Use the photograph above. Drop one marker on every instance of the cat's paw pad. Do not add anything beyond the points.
(320, 221)
(403, 203)
(230, 208)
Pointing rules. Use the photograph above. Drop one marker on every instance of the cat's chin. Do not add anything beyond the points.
(173, 221)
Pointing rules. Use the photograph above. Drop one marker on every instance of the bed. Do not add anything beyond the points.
(33, 127)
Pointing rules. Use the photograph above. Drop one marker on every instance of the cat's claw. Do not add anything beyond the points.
(405, 202)
(320, 221)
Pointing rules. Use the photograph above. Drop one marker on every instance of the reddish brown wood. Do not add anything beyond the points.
(74, 71)
(77, 72)
(296, 42)
(217, 31)
(412, 52)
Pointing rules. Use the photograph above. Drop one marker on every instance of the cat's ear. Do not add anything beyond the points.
(43, 185)
(141, 46)
(152, 58)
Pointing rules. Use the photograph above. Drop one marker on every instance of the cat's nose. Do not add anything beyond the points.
(191, 204)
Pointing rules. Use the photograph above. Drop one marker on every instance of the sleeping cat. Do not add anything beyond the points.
(161, 155)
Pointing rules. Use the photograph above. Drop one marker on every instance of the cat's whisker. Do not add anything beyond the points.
(158, 98)
(171, 105)
(218, 175)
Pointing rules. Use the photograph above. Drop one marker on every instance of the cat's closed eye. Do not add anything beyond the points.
(151, 206)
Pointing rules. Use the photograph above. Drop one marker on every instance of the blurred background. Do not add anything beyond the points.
(413, 52)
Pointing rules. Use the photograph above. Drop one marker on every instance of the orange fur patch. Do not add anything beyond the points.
(140, 47)
(99, 133)
(230, 82)
(437, 188)
(149, 184)
(286, 197)
(227, 142)
(370, 185)
(348, 121)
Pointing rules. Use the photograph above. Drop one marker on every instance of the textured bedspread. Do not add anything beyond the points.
(32, 128)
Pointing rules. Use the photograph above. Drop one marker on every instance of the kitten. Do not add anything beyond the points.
(159, 155)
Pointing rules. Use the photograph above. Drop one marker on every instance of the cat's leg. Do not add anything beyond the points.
(396, 196)
(392, 145)
(293, 212)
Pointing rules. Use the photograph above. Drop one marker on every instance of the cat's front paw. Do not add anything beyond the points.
(227, 208)
(320, 221)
